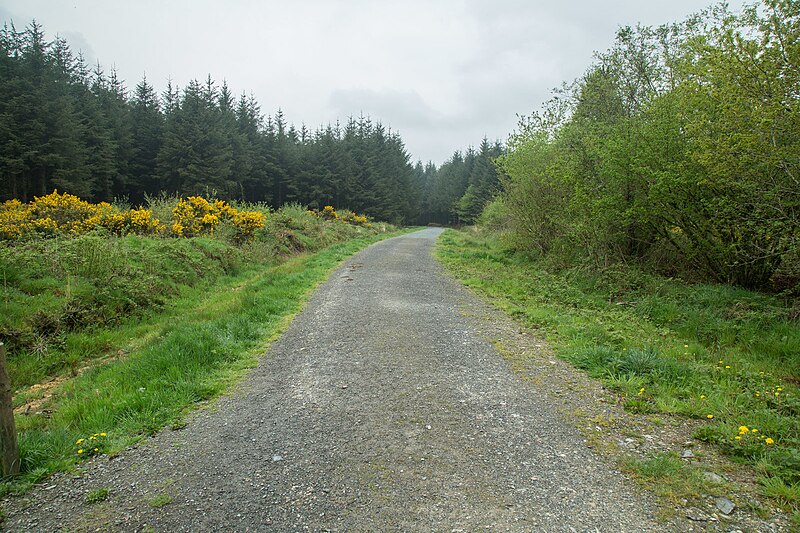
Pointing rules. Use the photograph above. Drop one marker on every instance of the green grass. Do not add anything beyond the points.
(58, 295)
(190, 351)
(668, 476)
(97, 495)
(159, 501)
(721, 354)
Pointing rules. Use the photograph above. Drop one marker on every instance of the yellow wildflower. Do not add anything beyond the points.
(769, 440)
(709, 416)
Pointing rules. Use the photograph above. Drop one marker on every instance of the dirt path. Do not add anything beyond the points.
(380, 409)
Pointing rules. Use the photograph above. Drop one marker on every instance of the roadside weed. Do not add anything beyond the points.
(97, 496)
(716, 353)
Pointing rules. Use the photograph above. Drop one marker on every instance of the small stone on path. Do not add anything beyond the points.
(725, 505)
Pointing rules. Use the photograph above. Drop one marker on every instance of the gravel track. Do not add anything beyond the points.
(382, 408)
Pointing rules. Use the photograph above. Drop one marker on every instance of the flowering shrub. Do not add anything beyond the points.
(247, 222)
(68, 215)
(352, 218)
(65, 214)
(197, 216)
(329, 213)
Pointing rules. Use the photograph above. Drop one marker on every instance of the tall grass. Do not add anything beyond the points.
(55, 289)
(188, 353)
(718, 353)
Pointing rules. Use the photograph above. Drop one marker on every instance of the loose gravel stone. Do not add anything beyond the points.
(383, 407)
(725, 505)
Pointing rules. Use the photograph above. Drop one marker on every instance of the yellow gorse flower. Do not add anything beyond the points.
(66, 214)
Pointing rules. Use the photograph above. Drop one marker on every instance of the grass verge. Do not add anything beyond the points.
(721, 354)
(173, 360)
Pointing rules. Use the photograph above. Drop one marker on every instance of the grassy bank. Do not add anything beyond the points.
(61, 292)
(113, 338)
(717, 353)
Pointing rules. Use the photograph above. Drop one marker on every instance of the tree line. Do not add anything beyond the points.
(679, 147)
(66, 126)
(457, 191)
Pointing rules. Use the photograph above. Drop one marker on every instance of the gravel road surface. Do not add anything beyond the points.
(382, 408)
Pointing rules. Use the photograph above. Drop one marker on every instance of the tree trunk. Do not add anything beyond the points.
(9, 452)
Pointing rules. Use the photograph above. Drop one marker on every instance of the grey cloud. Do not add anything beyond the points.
(78, 43)
(399, 109)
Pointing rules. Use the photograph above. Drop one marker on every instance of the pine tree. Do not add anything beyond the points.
(147, 125)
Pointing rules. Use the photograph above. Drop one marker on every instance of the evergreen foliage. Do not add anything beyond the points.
(457, 192)
(67, 127)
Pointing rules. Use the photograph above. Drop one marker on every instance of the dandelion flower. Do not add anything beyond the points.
(737, 437)
(685, 345)
(769, 440)
(78, 441)
(96, 449)
(727, 366)
(743, 429)
(702, 396)
(754, 430)
(80, 451)
(102, 434)
(709, 416)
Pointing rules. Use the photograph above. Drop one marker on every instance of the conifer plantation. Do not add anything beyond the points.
(66, 126)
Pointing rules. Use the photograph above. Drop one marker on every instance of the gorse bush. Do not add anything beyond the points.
(69, 266)
(67, 215)
(329, 213)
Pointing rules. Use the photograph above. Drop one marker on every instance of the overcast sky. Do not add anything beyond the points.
(443, 73)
